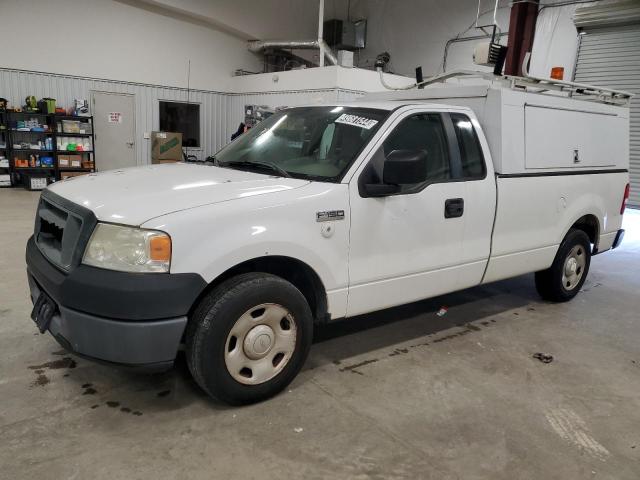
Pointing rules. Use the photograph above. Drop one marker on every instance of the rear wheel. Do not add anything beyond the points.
(249, 338)
(568, 272)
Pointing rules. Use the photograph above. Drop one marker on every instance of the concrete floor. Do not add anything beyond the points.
(397, 394)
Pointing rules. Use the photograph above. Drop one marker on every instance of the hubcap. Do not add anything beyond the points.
(574, 267)
(260, 344)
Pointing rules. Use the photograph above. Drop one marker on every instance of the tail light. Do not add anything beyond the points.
(624, 199)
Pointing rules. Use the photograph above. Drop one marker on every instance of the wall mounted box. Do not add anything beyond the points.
(343, 35)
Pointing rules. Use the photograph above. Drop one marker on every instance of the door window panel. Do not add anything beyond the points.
(423, 131)
(470, 151)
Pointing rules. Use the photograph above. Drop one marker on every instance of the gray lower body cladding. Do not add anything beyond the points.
(123, 318)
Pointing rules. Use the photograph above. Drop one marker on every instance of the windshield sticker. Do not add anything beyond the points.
(356, 121)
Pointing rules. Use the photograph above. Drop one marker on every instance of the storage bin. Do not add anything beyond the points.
(70, 126)
(85, 127)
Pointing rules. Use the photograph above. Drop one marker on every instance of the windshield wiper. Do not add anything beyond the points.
(268, 165)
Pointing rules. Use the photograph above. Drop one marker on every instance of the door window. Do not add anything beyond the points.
(471, 158)
(424, 131)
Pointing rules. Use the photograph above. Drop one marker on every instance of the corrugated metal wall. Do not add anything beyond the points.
(16, 85)
(609, 57)
(220, 112)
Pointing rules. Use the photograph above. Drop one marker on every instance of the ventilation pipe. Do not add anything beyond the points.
(257, 46)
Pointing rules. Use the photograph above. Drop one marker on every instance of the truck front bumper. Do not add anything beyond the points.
(130, 319)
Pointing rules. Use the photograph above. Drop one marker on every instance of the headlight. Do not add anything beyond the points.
(128, 249)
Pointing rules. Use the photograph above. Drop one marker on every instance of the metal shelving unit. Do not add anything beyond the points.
(14, 136)
(4, 145)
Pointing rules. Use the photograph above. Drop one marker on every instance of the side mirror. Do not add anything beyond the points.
(405, 167)
(401, 167)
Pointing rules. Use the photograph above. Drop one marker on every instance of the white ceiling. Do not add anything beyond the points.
(250, 19)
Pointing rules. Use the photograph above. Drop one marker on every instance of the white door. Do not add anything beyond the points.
(115, 130)
(402, 247)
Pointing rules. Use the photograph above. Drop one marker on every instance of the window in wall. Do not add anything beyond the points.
(183, 118)
(470, 151)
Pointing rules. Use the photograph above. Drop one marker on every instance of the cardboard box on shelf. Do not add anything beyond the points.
(69, 161)
(166, 146)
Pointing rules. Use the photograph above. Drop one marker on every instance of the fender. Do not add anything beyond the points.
(601, 199)
(282, 223)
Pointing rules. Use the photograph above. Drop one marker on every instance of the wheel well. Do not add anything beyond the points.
(298, 273)
(589, 225)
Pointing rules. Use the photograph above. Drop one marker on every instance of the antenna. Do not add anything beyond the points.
(188, 99)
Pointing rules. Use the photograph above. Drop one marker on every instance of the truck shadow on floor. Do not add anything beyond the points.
(469, 309)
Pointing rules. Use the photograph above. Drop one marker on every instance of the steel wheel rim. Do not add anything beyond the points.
(573, 268)
(260, 344)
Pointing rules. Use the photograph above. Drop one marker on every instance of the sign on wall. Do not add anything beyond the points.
(114, 117)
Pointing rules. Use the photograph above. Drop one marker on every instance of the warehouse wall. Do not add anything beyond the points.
(220, 112)
(428, 25)
(16, 85)
(119, 41)
(415, 32)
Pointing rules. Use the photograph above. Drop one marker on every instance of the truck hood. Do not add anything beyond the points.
(131, 196)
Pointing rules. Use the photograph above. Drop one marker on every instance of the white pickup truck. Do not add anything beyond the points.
(327, 212)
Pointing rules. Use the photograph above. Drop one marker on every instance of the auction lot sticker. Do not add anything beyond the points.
(356, 121)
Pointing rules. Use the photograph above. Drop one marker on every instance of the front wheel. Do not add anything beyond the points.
(248, 339)
(564, 279)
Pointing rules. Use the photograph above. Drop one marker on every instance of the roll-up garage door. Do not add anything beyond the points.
(610, 57)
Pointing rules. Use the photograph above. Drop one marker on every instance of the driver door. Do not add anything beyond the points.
(406, 246)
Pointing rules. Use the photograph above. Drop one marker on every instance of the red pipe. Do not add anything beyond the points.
(522, 28)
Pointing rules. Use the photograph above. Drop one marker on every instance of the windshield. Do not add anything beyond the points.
(318, 143)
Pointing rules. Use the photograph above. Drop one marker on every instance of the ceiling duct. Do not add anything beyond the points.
(319, 44)
(257, 46)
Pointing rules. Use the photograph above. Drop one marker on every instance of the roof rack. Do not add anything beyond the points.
(539, 85)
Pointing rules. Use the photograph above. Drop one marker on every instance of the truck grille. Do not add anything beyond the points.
(62, 229)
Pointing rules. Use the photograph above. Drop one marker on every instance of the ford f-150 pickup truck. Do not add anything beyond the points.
(326, 212)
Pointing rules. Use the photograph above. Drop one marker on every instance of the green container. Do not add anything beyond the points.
(47, 105)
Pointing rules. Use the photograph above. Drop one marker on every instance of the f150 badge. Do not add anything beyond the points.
(330, 215)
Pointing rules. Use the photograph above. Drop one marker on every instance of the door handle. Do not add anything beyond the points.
(130, 144)
(453, 207)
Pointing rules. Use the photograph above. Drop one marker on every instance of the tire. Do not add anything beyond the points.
(272, 325)
(564, 279)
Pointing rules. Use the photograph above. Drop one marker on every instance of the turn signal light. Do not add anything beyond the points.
(557, 73)
(625, 198)
(160, 248)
